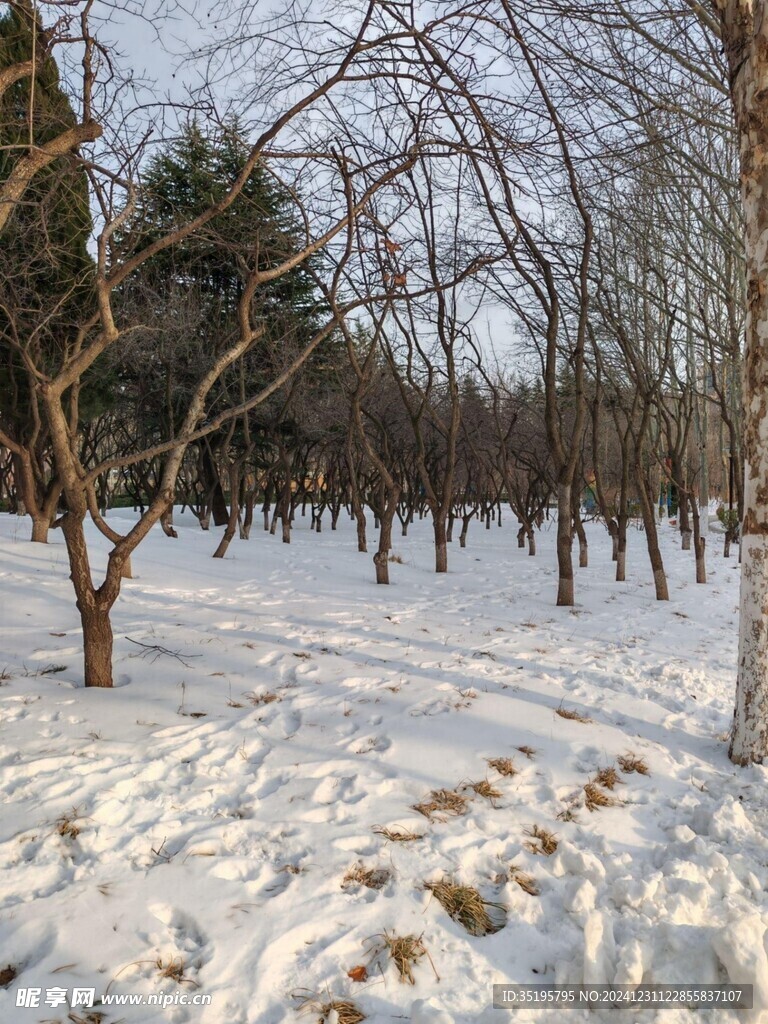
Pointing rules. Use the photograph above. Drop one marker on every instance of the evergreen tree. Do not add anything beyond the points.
(196, 285)
(46, 272)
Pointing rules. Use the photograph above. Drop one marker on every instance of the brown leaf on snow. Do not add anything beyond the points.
(359, 973)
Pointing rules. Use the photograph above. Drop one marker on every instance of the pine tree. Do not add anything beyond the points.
(45, 267)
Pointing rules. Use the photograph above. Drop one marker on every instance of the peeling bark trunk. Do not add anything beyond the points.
(745, 39)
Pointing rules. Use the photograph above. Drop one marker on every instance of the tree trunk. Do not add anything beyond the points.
(613, 531)
(652, 542)
(565, 593)
(381, 558)
(745, 39)
(620, 544)
(441, 544)
(166, 521)
(583, 544)
(245, 529)
(97, 646)
(685, 526)
(531, 542)
(94, 612)
(212, 484)
(229, 533)
(465, 521)
(699, 544)
(40, 527)
(362, 542)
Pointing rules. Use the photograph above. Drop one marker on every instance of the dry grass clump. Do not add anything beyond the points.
(91, 1017)
(446, 801)
(397, 559)
(526, 882)
(66, 827)
(405, 951)
(261, 698)
(630, 763)
(542, 841)
(484, 788)
(7, 975)
(594, 797)
(371, 878)
(608, 778)
(173, 969)
(503, 765)
(397, 834)
(569, 812)
(464, 904)
(345, 1009)
(571, 715)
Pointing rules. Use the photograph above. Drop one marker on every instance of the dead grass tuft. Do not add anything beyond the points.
(397, 834)
(569, 812)
(608, 778)
(66, 827)
(503, 765)
(464, 904)
(405, 951)
(542, 841)
(485, 789)
(446, 801)
(7, 975)
(173, 969)
(345, 1010)
(630, 763)
(526, 882)
(397, 559)
(261, 698)
(371, 878)
(530, 752)
(91, 1017)
(571, 715)
(594, 797)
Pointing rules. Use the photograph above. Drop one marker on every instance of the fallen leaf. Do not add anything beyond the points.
(359, 973)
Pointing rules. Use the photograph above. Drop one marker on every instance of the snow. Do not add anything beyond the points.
(214, 827)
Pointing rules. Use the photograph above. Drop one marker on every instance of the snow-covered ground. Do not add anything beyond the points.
(205, 812)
